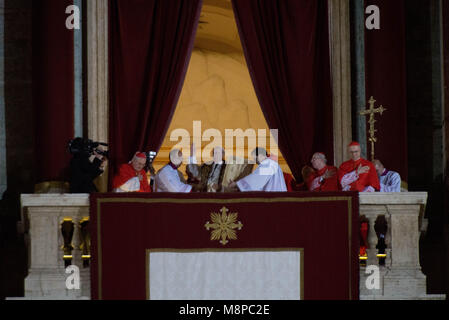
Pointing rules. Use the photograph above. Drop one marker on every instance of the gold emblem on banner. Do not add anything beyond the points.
(224, 226)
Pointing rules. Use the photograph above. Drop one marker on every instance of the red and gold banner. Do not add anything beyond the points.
(325, 226)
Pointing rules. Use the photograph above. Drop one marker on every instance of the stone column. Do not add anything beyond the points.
(404, 277)
(359, 72)
(46, 275)
(401, 278)
(97, 76)
(405, 236)
(438, 86)
(78, 74)
(76, 241)
(78, 215)
(372, 214)
(340, 35)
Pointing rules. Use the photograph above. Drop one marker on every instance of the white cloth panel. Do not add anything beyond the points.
(231, 275)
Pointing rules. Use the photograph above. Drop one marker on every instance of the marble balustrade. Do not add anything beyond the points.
(400, 277)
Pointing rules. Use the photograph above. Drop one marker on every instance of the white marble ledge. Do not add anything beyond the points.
(391, 198)
(82, 199)
(54, 200)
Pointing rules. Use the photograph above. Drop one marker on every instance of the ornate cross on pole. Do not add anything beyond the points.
(372, 131)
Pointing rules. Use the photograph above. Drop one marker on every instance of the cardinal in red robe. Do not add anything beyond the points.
(132, 176)
(358, 174)
(323, 177)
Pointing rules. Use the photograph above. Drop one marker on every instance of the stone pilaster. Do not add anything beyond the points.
(97, 76)
(47, 277)
(78, 73)
(401, 278)
(340, 35)
(358, 9)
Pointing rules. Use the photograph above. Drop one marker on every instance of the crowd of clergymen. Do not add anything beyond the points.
(356, 174)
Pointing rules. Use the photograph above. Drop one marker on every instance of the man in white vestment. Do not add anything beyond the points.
(267, 177)
(390, 181)
(168, 179)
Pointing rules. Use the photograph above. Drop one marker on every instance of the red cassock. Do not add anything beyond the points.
(329, 184)
(127, 172)
(289, 180)
(369, 178)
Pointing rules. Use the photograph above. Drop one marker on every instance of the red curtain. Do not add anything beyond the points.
(286, 45)
(53, 89)
(150, 46)
(386, 81)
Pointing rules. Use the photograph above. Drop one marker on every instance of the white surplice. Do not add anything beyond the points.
(390, 181)
(267, 177)
(132, 185)
(168, 180)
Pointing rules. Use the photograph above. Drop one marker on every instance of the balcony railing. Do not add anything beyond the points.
(55, 227)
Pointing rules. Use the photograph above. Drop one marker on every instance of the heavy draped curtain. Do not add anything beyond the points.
(286, 45)
(150, 47)
(53, 89)
(386, 81)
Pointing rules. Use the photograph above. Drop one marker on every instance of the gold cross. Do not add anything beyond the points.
(223, 226)
(372, 131)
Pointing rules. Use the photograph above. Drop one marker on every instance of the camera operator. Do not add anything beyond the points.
(88, 162)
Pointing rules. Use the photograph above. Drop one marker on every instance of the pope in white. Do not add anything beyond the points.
(267, 177)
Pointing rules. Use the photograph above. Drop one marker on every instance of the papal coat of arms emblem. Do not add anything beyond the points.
(223, 226)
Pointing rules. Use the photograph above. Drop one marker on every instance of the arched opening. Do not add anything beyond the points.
(217, 90)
